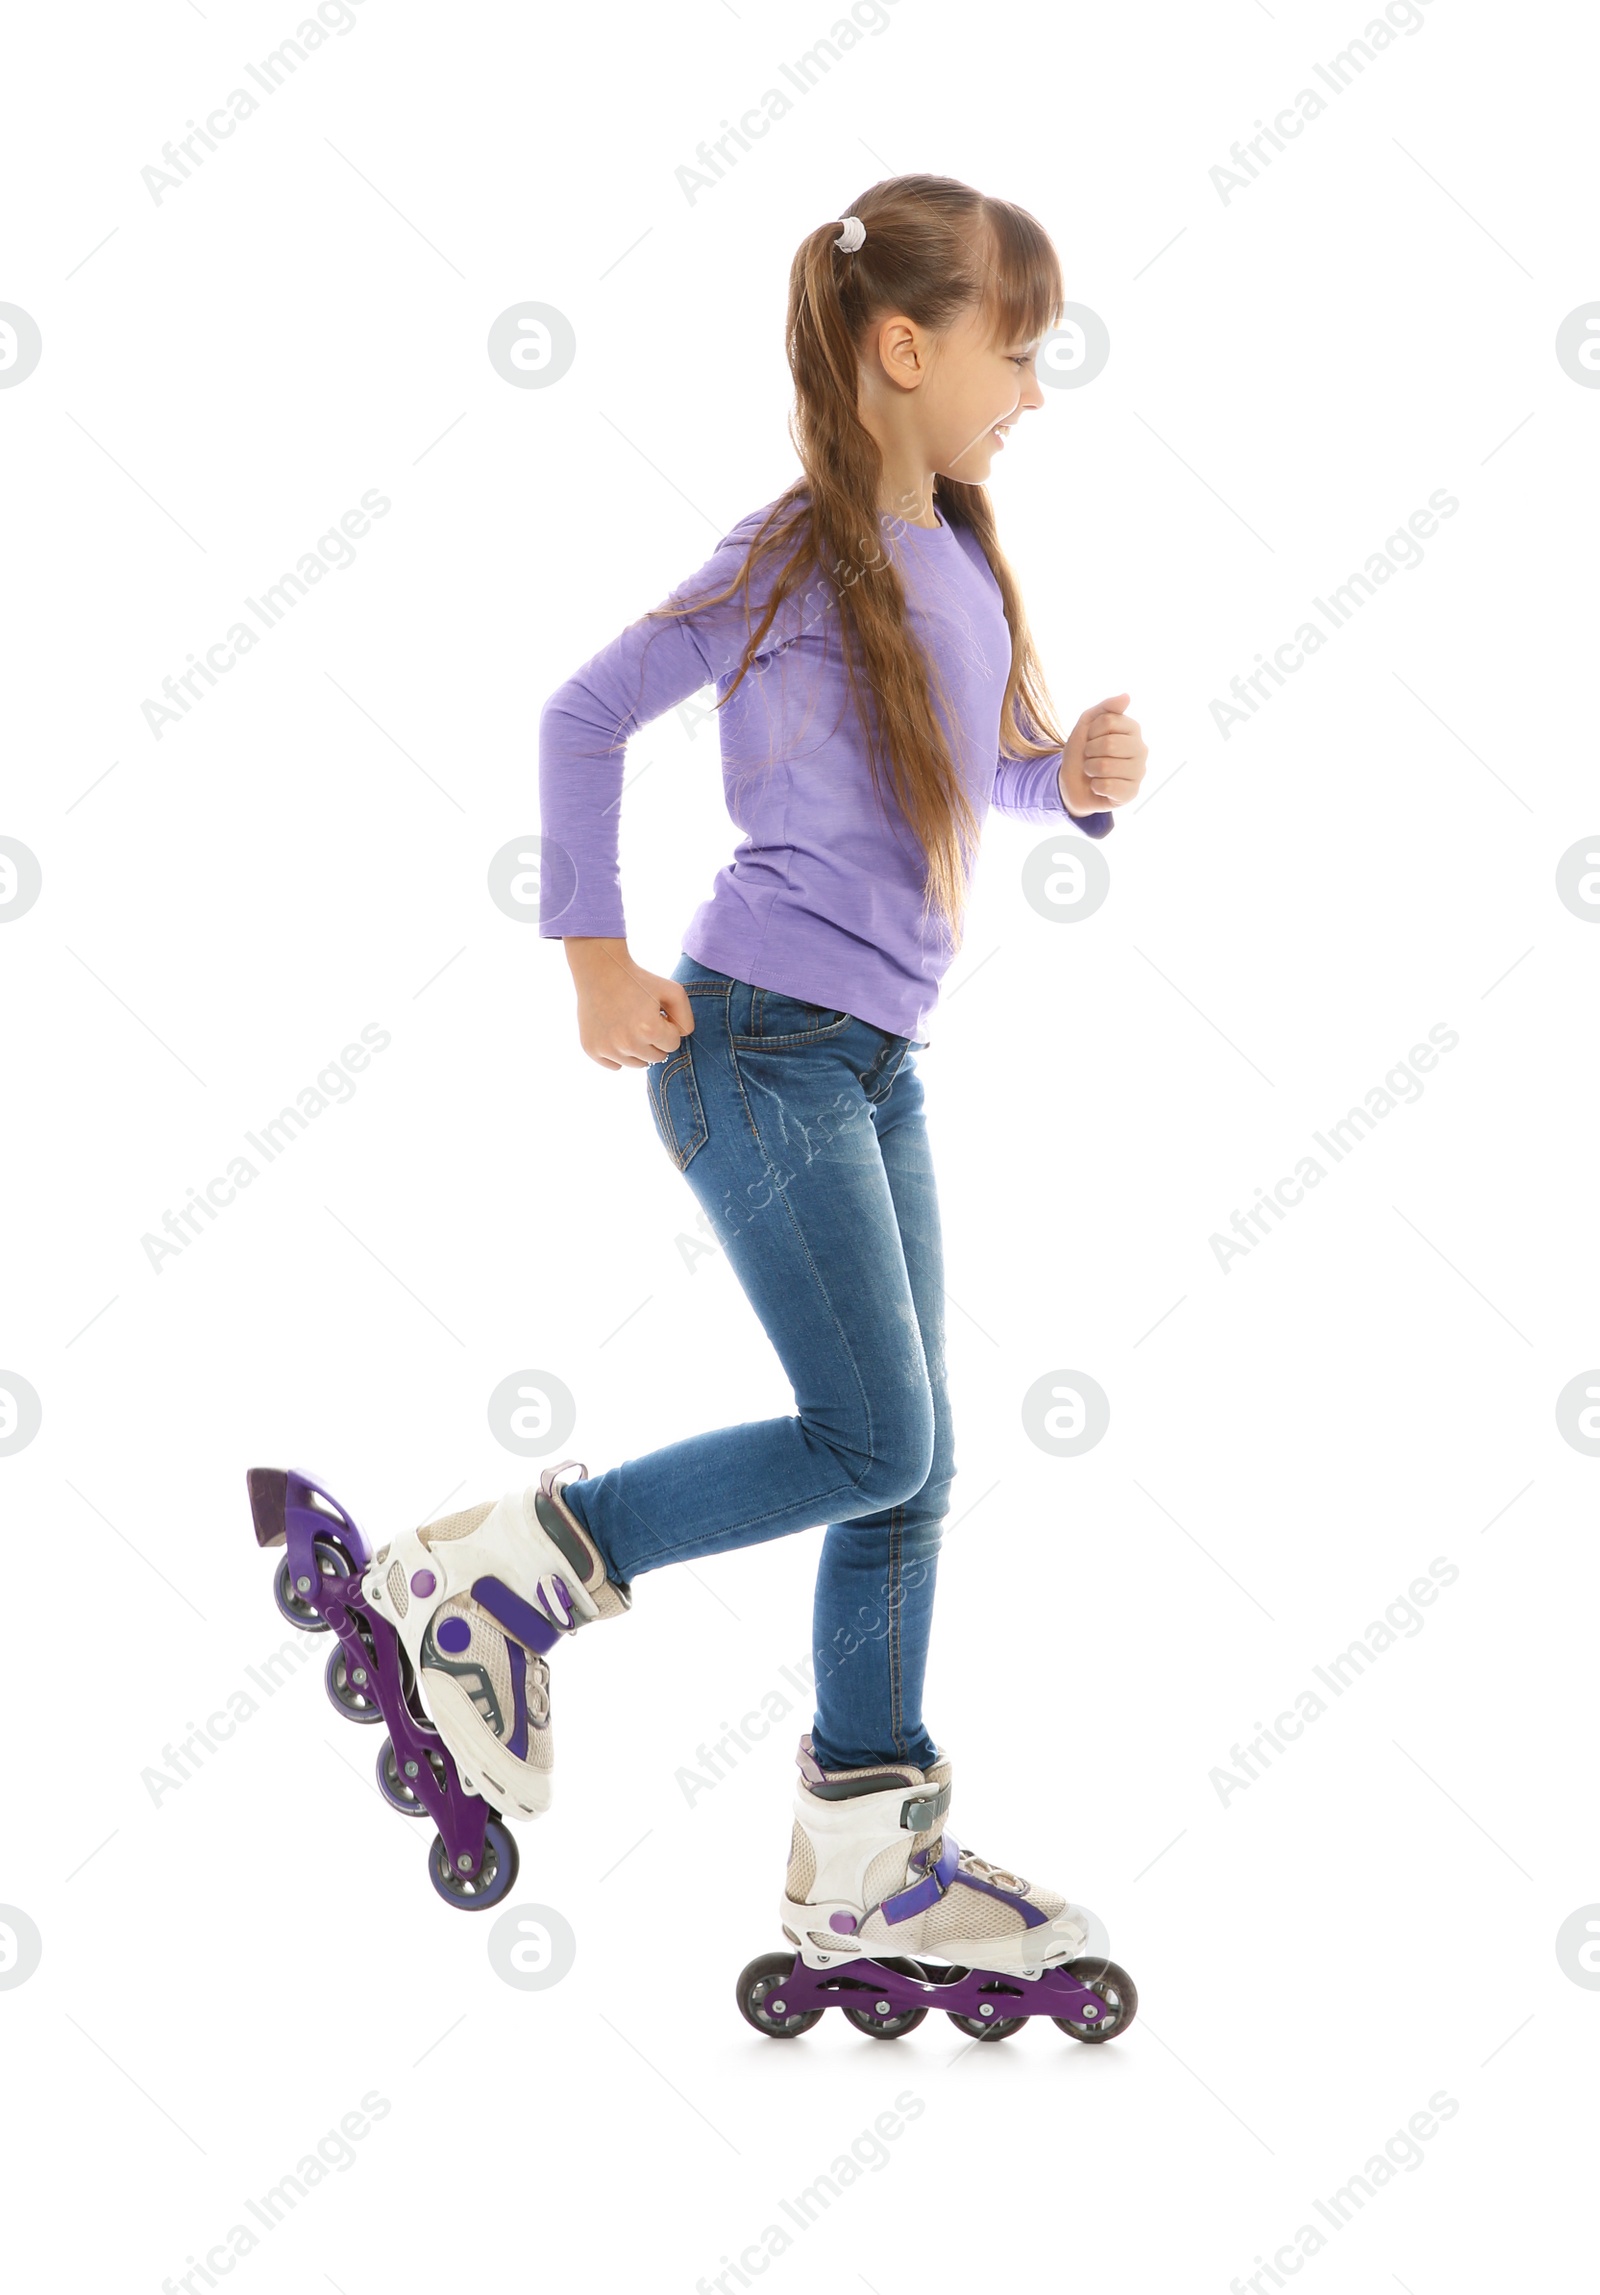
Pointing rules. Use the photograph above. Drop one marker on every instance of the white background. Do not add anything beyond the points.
(229, 1969)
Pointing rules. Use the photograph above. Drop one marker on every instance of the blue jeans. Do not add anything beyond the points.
(801, 1132)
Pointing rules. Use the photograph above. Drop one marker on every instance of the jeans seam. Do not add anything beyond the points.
(896, 1690)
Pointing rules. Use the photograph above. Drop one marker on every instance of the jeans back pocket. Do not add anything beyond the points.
(675, 1104)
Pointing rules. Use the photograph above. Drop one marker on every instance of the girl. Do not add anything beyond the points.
(877, 691)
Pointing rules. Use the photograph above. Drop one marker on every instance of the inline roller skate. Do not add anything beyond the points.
(442, 1634)
(871, 1865)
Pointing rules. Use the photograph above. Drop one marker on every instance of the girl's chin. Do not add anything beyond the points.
(975, 463)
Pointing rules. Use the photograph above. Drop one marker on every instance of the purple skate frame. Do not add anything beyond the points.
(284, 1508)
(960, 1992)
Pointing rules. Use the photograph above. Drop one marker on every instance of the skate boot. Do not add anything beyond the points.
(874, 1871)
(476, 1600)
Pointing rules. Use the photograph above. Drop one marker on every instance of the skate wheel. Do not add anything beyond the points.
(398, 1789)
(333, 1562)
(356, 1700)
(763, 1982)
(1115, 1987)
(994, 2027)
(866, 2018)
(496, 1876)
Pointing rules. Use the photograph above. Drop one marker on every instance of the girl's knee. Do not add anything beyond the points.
(901, 1455)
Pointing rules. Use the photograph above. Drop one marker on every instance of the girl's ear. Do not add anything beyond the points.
(901, 351)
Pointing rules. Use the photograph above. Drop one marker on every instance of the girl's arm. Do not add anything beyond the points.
(584, 729)
(627, 1016)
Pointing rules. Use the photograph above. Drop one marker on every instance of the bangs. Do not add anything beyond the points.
(1020, 275)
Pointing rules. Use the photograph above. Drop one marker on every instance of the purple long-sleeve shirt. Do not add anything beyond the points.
(823, 897)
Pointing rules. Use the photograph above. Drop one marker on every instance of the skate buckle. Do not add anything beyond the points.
(921, 1894)
(923, 1813)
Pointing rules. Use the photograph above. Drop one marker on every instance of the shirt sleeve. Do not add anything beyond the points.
(1030, 789)
(585, 727)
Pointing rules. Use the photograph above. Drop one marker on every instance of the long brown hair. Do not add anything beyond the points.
(934, 249)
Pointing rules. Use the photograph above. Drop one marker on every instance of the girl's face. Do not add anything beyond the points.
(946, 402)
(975, 391)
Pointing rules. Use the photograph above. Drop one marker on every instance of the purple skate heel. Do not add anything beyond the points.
(472, 1861)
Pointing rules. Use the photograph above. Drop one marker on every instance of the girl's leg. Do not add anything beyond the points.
(875, 1584)
(771, 1108)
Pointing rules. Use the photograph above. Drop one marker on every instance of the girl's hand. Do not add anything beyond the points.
(1104, 759)
(627, 1017)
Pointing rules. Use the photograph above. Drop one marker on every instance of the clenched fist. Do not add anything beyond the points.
(1104, 759)
(627, 1017)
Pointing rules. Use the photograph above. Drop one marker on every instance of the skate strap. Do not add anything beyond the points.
(937, 1881)
(922, 1811)
(514, 1614)
(921, 1894)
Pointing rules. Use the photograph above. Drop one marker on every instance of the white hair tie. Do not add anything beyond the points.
(852, 233)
